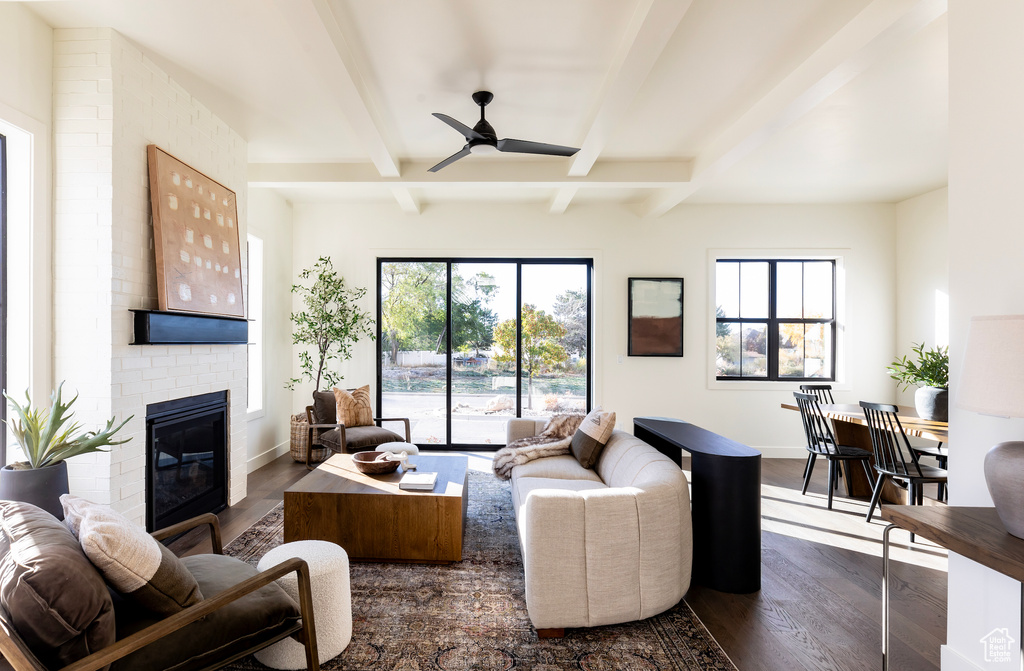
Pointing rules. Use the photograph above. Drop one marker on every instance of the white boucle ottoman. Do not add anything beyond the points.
(332, 601)
(397, 448)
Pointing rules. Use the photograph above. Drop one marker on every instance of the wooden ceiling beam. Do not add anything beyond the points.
(415, 175)
(361, 109)
(872, 35)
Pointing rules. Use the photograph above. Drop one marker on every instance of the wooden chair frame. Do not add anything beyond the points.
(17, 653)
(316, 429)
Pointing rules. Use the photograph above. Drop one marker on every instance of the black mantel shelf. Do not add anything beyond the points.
(155, 327)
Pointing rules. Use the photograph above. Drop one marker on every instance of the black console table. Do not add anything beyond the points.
(725, 501)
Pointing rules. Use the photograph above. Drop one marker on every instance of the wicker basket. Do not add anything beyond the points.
(300, 441)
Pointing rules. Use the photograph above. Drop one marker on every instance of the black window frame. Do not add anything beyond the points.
(519, 263)
(773, 322)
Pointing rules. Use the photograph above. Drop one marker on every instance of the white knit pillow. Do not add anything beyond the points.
(132, 561)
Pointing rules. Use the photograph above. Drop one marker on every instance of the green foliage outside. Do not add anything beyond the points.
(330, 324)
(46, 440)
(931, 369)
(413, 305)
(571, 311)
(541, 343)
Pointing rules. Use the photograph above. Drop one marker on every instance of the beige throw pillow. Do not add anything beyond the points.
(132, 561)
(354, 408)
(593, 434)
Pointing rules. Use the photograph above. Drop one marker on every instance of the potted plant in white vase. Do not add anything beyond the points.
(930, 371)
(327, 328)
(47, 437)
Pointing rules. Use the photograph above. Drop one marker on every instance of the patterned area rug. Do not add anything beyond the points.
(472, 615)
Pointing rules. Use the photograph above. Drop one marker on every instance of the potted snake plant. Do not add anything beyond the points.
(48, 436)
(930, 371)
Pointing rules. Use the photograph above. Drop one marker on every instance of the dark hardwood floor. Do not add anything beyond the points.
(820, 602)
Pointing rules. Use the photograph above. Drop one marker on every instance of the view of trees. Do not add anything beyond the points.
(413, 318)
(542, 343)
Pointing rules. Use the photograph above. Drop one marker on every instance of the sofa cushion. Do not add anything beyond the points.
(324, 408)
(359, 438)
(228, 631)
(53, 596)
(353, 408)
(523, 487)
(590, 438)
(627, 461)
(132, 561)
(564, 467)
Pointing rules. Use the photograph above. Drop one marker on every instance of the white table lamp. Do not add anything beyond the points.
(992, 383)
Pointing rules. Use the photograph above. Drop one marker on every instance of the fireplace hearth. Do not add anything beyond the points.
(186, 458)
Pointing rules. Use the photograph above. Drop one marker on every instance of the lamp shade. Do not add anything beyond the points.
(992, 377)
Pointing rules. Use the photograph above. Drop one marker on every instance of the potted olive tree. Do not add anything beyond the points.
(47, 437)
(330, 323)
(930, 371)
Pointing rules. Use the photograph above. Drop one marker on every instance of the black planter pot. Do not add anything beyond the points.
(39, 486)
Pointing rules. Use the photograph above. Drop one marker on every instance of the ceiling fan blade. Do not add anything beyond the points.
(451, 159)
(466, 131)
(527, 147)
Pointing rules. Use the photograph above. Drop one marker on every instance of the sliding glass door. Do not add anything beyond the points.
(465, 344)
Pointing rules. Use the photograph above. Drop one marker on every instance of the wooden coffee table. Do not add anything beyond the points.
(373, 519)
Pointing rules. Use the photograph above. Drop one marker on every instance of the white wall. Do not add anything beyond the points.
(26, 102)
(624, 246)
(922, 275)
(986, 274)
(270, 218)
(26, 60)
(116, 101)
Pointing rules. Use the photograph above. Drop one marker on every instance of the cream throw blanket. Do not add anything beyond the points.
(554, 440)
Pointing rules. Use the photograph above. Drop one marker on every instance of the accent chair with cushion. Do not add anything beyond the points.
(356, 432)
(56, 609)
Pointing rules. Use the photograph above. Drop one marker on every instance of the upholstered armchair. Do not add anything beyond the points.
(327, 432)
(58, 612)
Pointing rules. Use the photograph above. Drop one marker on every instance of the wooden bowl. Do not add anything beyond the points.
(364, 461)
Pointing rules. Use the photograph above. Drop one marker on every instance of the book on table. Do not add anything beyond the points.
(418, 481)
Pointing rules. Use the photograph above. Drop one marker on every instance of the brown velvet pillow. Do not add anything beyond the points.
(324, 407)
(53, 596)
(354, 408)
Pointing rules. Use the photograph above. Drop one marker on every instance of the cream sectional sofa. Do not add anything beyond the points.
(601, 546)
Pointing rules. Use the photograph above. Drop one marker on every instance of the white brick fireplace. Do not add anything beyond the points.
(110, 102)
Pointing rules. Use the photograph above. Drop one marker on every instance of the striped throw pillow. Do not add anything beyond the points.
(354, 408)
(593, 434)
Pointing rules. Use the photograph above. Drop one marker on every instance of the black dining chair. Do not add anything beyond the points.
(894, 457)
(824, 394)
(822, 443)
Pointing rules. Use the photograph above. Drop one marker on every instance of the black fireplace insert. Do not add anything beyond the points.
(186, 458)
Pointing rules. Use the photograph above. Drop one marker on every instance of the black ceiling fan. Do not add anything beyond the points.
(481, 138)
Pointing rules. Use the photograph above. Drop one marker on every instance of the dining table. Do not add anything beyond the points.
(851, 428)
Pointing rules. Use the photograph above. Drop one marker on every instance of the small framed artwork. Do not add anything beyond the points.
(655, 316)
(195, 232)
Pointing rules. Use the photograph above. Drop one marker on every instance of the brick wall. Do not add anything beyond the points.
(110, 101)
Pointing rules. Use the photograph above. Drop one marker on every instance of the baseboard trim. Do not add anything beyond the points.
(951, 660)
(779, 452)
(267, 456)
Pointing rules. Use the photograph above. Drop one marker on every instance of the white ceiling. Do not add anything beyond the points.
(671, 101)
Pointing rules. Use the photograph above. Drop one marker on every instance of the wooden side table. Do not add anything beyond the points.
(975, 533)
